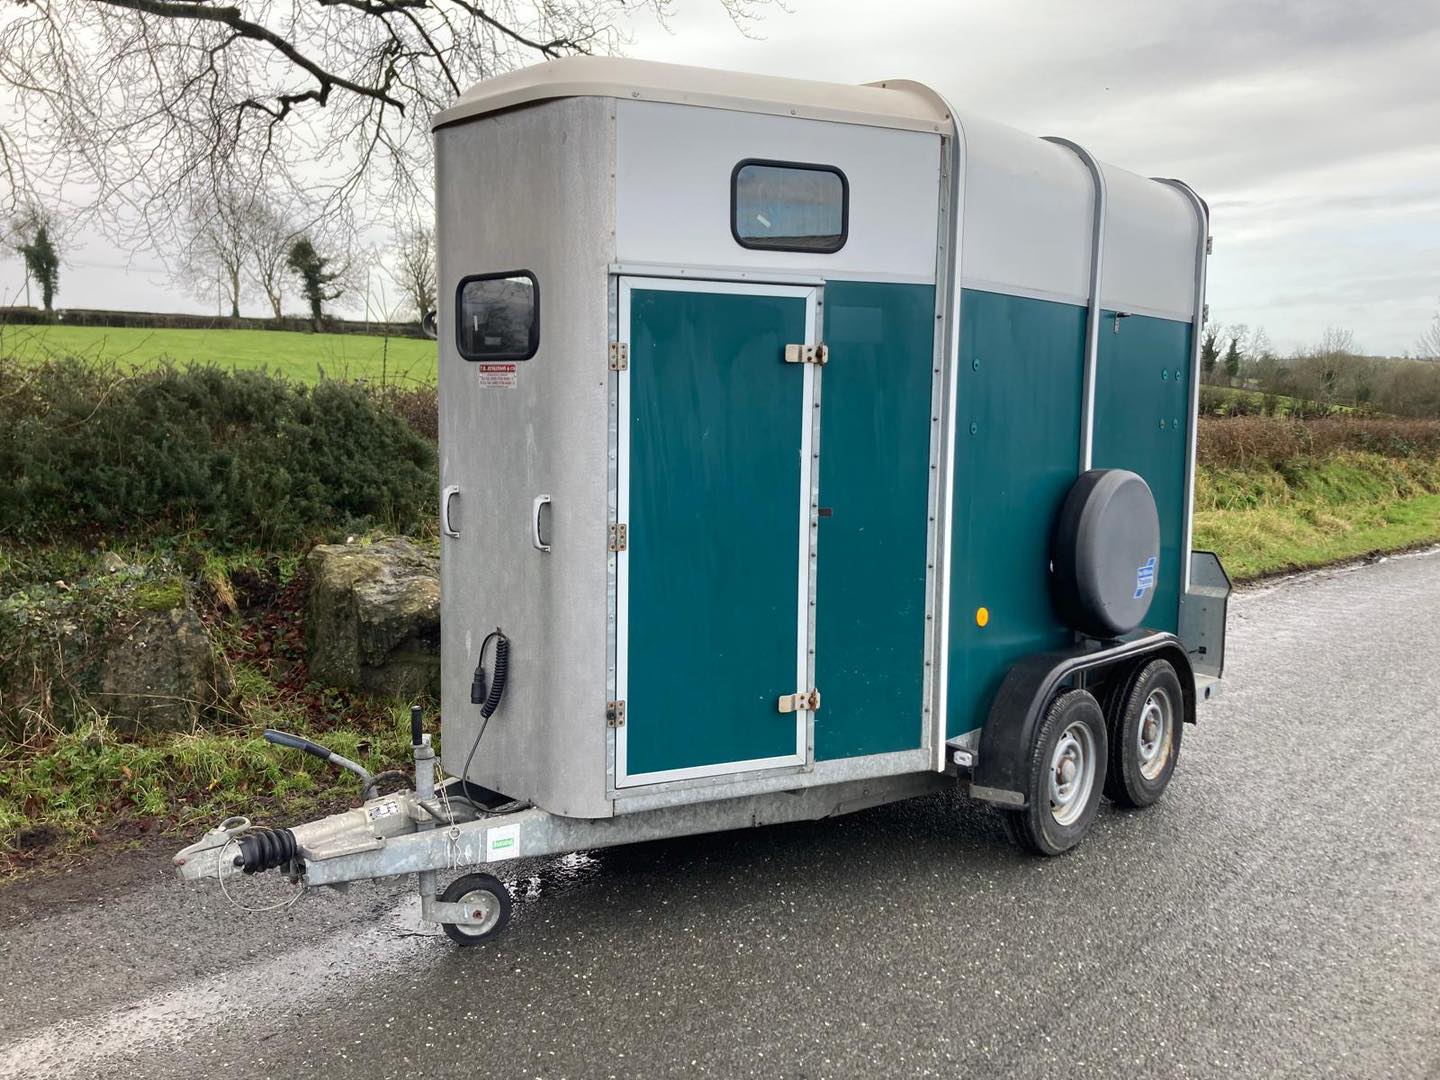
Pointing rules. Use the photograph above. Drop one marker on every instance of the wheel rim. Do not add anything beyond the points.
(1154, 734)
(484, 905)
(1072, 773)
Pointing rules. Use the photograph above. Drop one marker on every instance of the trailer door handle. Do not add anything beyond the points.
(445, 497)
(535, 508)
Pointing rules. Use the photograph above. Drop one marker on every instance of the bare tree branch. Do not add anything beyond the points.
(149, 108)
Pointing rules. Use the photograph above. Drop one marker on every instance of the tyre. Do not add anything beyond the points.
(1145, 724)
(1066, 776)
(490, 899)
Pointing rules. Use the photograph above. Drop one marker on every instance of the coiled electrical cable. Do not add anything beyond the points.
(488, 698)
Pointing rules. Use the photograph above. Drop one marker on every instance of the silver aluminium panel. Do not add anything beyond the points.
(529, 190)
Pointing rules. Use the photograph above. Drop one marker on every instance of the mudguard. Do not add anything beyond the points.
(1002, 765)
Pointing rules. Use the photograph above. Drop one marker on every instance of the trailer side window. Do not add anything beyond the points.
(784, 206)
(498, 316)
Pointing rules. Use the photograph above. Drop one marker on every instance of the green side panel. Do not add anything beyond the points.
(874, 480)
(1017, 451)
(1142, 423)
(714, 533)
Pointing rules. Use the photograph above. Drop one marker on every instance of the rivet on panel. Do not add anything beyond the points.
(1162, 425)
(974, 428)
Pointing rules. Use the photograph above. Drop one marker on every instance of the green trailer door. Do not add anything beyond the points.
(1142, 423)
(1020, 372)
(874, 497)
(713, 586)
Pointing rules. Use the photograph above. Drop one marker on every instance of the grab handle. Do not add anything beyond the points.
(535, 537)
(445, 497)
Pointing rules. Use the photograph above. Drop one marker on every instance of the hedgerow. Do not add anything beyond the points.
(237, 458)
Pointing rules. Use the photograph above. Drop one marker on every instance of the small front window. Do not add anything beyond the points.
(498, 316)
(782, 206)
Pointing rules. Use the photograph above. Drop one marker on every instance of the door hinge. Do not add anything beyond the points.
(806, 700)
(619, 537)
(619, 355)
(1209, 245)
(614, 714)
(807, 354)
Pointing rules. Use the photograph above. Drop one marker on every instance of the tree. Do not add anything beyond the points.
(1209, 353)
(1428, 348)
(415, 268)
(272, 233)
(317, 281)
(152, 103)
(1233, 357)
(217, 243)
(1318, 377)
(35, 241)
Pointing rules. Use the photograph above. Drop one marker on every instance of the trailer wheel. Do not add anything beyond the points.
(1067, 774)
(489, 895)
(1145, 725)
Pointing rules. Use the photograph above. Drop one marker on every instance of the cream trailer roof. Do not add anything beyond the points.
(904, 105)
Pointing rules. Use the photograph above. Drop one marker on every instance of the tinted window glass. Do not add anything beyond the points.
(498, 316)
(789, 207)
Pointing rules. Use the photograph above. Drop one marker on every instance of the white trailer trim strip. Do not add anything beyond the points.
(950, 361)
(1092, 324)
(1202, 249)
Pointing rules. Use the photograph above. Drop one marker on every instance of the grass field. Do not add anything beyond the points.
(306, 357)
(1268, 519)
(1230, 400)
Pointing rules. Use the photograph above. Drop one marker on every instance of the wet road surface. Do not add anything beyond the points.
(1277, 914)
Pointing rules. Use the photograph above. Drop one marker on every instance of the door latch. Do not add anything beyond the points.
(805, 701)
(807, 354)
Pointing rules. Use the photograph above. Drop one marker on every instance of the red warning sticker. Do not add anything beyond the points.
(497, 376)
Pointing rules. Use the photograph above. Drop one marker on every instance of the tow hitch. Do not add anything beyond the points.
(473, 908)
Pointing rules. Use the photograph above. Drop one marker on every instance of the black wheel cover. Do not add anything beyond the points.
(1105, 553)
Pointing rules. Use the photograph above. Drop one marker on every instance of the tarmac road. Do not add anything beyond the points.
(1277, 914)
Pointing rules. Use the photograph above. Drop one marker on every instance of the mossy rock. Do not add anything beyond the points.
(160, 672)
(160, 595)
(121, 642)
(374, 616)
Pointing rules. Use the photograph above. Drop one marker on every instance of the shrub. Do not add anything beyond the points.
(418, 406)
(1247, 440)
(239, 458)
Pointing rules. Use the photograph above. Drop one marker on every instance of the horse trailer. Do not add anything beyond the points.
(804, 447)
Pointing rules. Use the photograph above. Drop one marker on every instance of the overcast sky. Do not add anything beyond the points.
(1312, 127)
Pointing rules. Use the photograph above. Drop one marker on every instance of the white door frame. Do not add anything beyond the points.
(623, 777)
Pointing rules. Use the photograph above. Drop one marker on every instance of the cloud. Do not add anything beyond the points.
(1311, 126)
